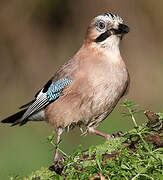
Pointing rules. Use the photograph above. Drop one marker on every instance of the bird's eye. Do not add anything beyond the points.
(101, 25)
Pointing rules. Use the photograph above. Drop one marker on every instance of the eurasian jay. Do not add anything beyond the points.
(85, 90)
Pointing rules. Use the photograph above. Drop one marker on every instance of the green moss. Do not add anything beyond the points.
(120, 158)
(137, 155)
(42, 174)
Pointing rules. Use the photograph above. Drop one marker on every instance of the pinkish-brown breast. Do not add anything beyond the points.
(98, 84)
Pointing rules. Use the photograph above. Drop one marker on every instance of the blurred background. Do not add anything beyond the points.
(37, 37)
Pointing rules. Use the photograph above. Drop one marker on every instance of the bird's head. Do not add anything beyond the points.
(106, 30)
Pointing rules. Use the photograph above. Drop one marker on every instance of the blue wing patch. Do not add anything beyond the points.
(55, 89)
(44, 98)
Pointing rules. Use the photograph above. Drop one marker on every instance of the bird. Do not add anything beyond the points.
(86, 89)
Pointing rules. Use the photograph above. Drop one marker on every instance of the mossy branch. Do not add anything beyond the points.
(136, 155)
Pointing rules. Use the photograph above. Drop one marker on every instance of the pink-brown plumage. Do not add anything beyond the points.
(85, 90)
(99, 81)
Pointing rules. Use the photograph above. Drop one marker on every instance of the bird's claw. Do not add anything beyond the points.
(118, 134)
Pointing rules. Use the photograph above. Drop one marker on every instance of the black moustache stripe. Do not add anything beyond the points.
(103, 36)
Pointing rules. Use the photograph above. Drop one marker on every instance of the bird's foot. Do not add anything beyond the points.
(118, 134)
(58, 165)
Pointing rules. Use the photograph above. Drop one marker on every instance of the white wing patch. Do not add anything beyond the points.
(40, 102)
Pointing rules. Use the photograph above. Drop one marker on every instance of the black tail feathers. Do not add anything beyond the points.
(15, 118)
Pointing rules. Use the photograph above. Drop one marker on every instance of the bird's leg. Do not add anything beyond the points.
(93, 131)
(56, 155)
(107, 136)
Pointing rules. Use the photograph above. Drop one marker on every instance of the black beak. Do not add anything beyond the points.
(122, 29)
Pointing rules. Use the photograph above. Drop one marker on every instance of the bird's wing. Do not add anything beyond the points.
(50, 92)
(43, 90)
